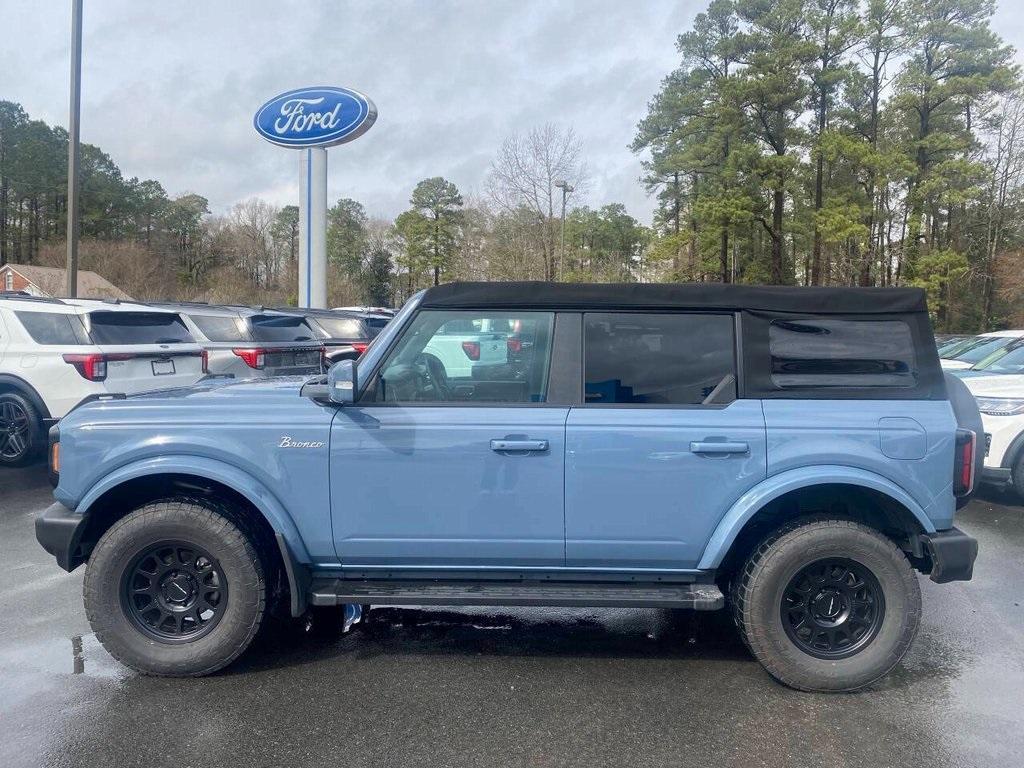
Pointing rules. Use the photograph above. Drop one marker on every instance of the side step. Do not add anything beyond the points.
(701, 597)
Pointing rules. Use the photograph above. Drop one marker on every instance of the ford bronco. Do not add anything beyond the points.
(794, 454)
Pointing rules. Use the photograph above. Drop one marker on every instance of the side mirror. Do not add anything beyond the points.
(343, 382)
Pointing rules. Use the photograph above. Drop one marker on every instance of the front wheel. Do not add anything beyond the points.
(176, 588)
(827, 605)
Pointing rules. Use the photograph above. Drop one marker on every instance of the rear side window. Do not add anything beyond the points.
(138, 328)
(834, 352)
(375, 325)
(219, 328)
(659, 359)
(280, 328)
(53, 328)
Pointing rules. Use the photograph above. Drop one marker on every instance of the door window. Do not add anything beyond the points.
(468, 357)
(659, 359)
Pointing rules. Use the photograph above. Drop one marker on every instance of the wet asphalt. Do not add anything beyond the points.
(520, 687)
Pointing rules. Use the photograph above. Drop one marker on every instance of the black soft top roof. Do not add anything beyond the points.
(773, 298)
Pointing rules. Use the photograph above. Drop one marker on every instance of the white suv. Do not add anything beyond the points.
(1001, 402)
(55, 353)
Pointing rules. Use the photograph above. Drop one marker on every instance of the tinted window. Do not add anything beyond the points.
(138, 328)
(1008, 360)
(53, 328)
(831, 352)
(342, 327)
(219, 328)
(659, 359)
(280, 328)
(482, 357)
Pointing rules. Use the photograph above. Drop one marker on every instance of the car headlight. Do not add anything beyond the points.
(1000, 406)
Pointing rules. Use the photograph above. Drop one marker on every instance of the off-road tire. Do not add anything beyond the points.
(204, 523)
(757, 594)
(33, 434)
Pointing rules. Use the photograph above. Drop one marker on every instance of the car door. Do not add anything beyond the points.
(452, 465)
(661, 446)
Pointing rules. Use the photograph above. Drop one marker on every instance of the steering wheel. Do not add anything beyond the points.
(437, 377)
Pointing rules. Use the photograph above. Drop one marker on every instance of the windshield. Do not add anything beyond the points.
(280, 328)
(981, 348)
(1010, 359)
(137, 328)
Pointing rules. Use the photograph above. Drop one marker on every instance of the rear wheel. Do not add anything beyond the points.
(21, 432)
(176, 588)
(827, 605)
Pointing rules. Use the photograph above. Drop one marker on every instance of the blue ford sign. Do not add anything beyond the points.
(315, 117)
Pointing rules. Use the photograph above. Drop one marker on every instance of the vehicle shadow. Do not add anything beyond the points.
(526, 632)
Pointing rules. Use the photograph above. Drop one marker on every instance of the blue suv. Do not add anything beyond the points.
(794, 454)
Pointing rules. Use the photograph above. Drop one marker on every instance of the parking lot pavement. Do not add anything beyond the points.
(507, 687)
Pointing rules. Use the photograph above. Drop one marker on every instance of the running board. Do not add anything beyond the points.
(701, 597)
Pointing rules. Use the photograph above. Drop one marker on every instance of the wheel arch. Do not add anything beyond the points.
(861, 494)
(129, 486)
(11, 383)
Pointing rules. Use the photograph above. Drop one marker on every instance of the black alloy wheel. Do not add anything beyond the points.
(174, 592)
(15, 431)
(832, 608)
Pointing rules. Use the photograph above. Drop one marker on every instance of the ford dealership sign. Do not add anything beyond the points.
(315, 117)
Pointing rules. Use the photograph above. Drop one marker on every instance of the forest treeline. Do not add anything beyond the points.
(810, 142)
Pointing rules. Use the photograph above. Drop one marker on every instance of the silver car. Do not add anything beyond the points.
(252, 342)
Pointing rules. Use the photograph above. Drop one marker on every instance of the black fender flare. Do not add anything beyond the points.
(22, 387)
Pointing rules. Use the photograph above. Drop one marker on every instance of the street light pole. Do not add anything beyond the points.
(74, 150)
(566, 188)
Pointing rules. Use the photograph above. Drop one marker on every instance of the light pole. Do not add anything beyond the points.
(74, 151)
(566, 188)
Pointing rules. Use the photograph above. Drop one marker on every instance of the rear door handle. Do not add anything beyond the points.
(719, 448)
(519, 446)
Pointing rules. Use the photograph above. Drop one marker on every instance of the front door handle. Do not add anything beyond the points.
(519, 446)
(719, 448)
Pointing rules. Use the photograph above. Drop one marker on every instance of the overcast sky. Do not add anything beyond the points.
(169, 88)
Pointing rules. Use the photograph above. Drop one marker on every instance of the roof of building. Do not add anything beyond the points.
(774, 298)
(52, 280)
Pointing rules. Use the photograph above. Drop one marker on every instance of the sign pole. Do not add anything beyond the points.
(310, 120)
(313, 227)
(74, 149)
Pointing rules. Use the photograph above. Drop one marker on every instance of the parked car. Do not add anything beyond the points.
(344, 335)
(1005, 360)
(56, 353)
(1001, 402)
(968, 352)
(792, 453)
(252, 342)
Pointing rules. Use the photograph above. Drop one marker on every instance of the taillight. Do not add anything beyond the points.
(254, 358)
(963, 464)
(360, 346)
(515, 345)
(472, 349)
(91, 367)
(206, 361)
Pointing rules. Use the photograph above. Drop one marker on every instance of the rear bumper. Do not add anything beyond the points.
(59, 531)
(952, 553)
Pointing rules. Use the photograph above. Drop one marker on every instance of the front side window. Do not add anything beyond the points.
(659, 359)
(53, 328)
(835, 352)
(469, 357)
(115, 328)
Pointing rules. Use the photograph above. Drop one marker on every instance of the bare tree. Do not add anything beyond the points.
(523, 176)
(252, 222)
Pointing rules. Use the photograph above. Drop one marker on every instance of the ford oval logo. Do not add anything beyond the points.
(315, 117)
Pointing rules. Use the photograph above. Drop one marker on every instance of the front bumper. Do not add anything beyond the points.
(59, 531)
(952, 553)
